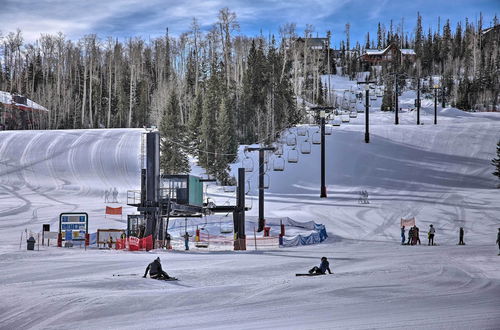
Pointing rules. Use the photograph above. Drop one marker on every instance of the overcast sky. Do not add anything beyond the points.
(150, 18)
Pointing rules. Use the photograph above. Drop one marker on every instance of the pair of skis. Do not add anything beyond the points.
(161, 279)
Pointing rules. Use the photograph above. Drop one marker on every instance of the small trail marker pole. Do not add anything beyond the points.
(255, 238)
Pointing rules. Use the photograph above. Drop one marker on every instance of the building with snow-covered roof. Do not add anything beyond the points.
(391, 52)
(19, 112)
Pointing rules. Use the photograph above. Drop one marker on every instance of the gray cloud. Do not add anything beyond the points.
(121, 18)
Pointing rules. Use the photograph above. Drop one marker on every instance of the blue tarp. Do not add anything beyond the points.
(93, 239)
(317, 236)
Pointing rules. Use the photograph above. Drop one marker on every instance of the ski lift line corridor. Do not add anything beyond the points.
(295, 143)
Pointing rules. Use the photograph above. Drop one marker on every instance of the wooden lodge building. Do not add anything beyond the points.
(387, 55)
(19, 112)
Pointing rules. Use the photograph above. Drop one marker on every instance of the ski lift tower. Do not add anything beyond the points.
(261, 151)
(321, 111)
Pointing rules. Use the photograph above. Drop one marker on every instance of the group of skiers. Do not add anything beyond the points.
(363, 197)
(414, 235)
(111, 192)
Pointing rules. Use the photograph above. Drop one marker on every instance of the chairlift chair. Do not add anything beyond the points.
(291, 140)
(305, 147)
(328, 130)
(336, 122)
(316, 138)
(267, 181)
(345, 118)
(373, 97)
(247, 164)
(301, 130)
(293, 155)
(278, 164)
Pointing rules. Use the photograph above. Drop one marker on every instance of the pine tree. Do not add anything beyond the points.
(227, 145)
(195, 119)
(387, 104)
(496, 162)
(380, 37)
(173, 158)
(254, 94)
(208, 139)
(418, 36)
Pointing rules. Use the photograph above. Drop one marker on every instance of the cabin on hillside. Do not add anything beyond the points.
(387, 55)
(317, 50)
(490, 35)
(19, 112)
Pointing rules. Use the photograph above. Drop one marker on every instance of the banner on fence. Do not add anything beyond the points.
(114, 210)
(408, 222)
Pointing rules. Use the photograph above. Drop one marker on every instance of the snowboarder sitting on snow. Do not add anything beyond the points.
(323, 267)
(155, 271)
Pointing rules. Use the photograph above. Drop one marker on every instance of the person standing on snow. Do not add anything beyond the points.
(168, 238)
(461, 236)
(410, 236)
(498, 241)
(323, 267)
(186, 240)
(106, 196)
(115, 195)
(403, 235)
(431, 233)
(155, 271)
(417, 235)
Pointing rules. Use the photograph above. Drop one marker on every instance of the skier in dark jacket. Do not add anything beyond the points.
(461, 236)
(323, 267)
(417, 235)
(498, 241)
(403, 238)
(410, 236)
(155, 271)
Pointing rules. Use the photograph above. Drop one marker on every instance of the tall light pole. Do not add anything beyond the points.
(435, 88)
(396, 119)
(367, 109)
(323, 177)
(322, 115)
(418, 101)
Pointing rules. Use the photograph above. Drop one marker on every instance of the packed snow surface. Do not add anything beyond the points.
(439, 174)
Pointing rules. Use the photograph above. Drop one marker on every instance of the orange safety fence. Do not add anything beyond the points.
(135, 244)
(114, 210)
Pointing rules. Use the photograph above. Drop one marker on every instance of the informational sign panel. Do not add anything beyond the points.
(73, 226)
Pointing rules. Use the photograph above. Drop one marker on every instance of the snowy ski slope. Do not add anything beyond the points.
(439, 174)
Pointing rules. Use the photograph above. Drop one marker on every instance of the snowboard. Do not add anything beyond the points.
(163, 279)
(307, 274)
(170, 279)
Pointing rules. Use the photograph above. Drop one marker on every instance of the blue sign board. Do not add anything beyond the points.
(73, 226)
